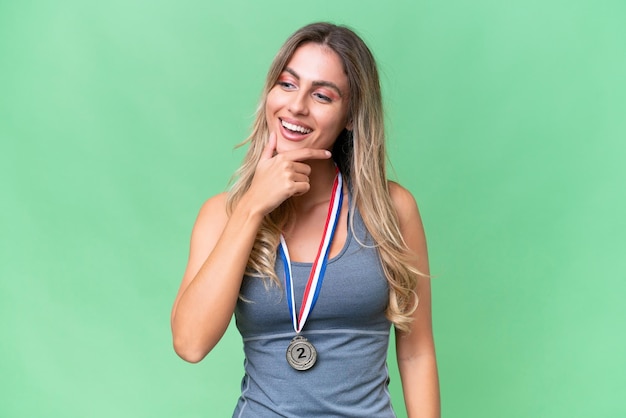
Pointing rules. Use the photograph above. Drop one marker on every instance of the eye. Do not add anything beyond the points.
(286, 85)
(322, 98)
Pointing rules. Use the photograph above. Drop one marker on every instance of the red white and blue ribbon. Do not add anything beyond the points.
(316, 277)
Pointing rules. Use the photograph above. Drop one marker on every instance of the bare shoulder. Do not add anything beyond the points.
(404, 203)
(214, 206)
(212, 216)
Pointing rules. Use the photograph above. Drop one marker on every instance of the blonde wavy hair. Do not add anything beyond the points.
(360, 155)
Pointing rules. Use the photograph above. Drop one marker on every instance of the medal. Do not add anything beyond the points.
(301, 354)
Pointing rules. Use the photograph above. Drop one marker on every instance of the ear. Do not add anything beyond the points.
(349, 125)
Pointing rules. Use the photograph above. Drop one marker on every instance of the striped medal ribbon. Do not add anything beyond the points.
(301, 354)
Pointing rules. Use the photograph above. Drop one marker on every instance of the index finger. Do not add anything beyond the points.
(305, 154)
(270, 147)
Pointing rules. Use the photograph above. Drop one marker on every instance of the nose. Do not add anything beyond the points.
(298, 103)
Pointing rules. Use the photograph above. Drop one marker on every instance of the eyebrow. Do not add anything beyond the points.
(316, 83)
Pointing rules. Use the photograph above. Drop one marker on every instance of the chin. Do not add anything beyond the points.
(284, 146)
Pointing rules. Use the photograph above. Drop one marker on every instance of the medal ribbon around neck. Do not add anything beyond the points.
(316, 277)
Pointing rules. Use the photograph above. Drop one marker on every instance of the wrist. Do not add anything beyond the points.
(249, 208)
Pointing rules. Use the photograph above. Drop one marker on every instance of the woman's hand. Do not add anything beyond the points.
(278, 177)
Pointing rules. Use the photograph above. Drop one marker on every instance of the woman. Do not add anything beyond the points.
(313, 249)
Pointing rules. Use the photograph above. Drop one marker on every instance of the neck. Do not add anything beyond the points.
(321, 179)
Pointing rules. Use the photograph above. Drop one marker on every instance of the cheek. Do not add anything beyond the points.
(334, 122)
(274, 100)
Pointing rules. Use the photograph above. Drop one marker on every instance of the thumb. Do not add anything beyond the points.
(270, 147)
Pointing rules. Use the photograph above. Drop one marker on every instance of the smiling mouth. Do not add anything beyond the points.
(295, 128)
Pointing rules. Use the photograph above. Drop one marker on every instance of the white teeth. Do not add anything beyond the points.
(295, 128)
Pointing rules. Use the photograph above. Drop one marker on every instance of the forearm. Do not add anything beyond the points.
(420, 386)
(204, 310)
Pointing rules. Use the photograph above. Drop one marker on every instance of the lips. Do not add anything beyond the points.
(294, 130)
(295, 127)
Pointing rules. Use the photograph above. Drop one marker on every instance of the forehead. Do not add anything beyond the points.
(315, 62)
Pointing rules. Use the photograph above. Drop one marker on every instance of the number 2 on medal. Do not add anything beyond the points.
(301, 351)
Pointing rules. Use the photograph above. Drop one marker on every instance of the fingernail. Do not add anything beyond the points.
(328, 153)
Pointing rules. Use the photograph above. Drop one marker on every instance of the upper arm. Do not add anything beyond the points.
(420, 338)
(206, 231)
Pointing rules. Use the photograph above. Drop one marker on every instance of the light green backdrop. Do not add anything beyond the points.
(118, 118)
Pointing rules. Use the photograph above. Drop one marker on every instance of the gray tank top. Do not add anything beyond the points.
(347, 326)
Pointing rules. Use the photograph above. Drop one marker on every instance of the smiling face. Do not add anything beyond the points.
(308, 105)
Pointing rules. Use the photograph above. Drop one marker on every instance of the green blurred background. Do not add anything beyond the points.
(118, 119)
